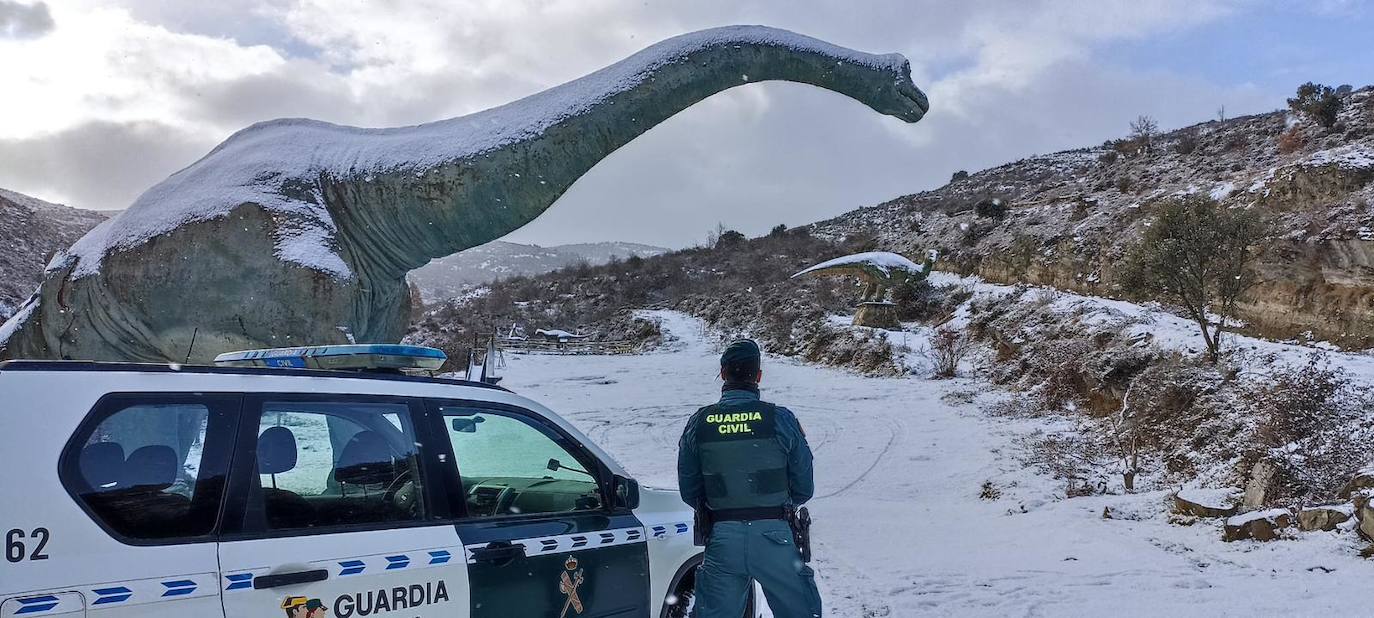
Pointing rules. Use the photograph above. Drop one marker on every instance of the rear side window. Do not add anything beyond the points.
(153, 468)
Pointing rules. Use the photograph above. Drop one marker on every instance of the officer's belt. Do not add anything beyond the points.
(751, 514)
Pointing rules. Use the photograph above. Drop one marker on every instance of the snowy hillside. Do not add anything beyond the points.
(925, 505)
(446, 277)
(31, 231)
(1063, 219)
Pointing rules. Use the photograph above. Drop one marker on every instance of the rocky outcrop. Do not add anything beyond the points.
(1260, 485)
(1202, 504)
(1257, 525)
(1364, 514)
(1363, 480)
(1324, 517)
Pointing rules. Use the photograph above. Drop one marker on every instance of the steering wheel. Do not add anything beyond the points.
(401, 492)
(505, 500)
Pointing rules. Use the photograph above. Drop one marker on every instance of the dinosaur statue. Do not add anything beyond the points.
(880, 271)
(300, 232)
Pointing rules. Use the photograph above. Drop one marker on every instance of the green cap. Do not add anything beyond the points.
(314, 604)
(741, 352)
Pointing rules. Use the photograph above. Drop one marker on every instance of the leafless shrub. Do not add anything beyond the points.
(1311, 427)
(1060, 368)
(1143, 132)
(947, 348)
(1291, 141)
(1187, 143)
(959, 397)
(989, 491)
(1071, 457)
(1016, 407)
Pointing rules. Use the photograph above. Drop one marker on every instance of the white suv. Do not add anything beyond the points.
(149, 490)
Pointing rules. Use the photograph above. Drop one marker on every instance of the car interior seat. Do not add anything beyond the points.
(102, 466)
(365, 469)
(276, 455)
(139, 504)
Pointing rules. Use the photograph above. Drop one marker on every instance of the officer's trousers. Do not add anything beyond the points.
(764, 552)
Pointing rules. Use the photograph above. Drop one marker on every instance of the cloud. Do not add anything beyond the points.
(23, 21)
(1006, 80)
(99, 165)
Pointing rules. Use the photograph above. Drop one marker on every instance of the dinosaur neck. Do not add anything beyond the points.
(567, 130)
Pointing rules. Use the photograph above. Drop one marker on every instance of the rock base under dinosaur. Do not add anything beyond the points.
(877, 315)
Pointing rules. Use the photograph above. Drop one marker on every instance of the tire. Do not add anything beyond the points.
(684, 592)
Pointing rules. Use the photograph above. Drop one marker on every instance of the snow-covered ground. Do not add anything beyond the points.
(900, 528)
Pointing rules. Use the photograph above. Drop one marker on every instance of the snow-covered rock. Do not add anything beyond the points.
(1363, 479)
(1258, 525)
(1364, 514)
(1205, 502)
(1324, 517)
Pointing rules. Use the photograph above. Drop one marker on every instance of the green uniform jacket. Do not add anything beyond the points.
(801, 481)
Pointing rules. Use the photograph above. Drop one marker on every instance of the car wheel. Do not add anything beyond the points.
(679, 604)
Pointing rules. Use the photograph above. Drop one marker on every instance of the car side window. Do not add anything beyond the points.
(336, 463)
(153, 468)
(513, 465)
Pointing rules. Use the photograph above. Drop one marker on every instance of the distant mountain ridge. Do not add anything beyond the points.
(446, 277)
(31, 231)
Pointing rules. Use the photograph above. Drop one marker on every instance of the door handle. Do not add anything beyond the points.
(499, 553)
(287, 579)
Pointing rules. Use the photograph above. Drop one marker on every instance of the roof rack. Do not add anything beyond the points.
(356, 357)
(71, 365)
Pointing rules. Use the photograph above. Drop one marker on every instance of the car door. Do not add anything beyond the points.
(539, 536)
(149, 470)
(333, 512)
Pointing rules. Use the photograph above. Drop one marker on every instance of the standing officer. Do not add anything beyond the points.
(746, 462)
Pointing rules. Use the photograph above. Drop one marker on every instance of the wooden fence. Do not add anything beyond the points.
(538, 346)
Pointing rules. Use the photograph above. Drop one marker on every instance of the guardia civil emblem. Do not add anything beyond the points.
(568, 582)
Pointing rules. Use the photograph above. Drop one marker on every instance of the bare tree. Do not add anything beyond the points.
(713, 236)
(1221, 114)
(1143, 132)
(1200, 256)
(1125, 438)
(947, 348)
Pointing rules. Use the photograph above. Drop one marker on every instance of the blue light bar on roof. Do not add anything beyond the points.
(338, 357)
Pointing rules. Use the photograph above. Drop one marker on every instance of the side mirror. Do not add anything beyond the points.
(466, 425)
(626, 492)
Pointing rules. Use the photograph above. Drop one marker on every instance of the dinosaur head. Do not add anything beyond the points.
(896, 95)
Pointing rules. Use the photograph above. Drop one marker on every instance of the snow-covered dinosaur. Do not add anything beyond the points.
(879, 270)
(297, 232)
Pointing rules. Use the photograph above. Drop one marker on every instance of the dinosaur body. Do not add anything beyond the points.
(880, 271)
(299, 232)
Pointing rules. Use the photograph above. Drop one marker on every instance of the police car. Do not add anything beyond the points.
(288, 482)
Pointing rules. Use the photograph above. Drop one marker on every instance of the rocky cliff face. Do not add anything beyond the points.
(31, 231)
(1065, 219)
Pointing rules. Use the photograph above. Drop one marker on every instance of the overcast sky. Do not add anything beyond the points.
(101, 99)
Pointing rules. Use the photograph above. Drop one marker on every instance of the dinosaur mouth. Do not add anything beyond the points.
(918, 105)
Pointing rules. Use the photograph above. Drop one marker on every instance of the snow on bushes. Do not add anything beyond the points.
(1142, 408)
